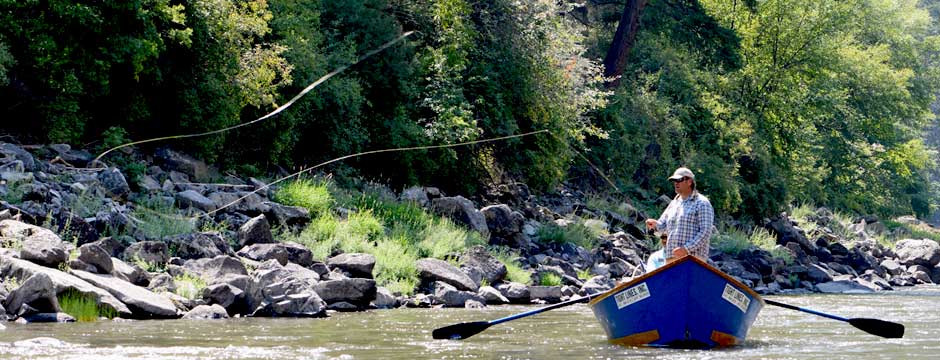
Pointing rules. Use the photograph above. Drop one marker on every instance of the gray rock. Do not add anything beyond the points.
(154, 253)
(284, 253)
(162, 283)
(431, 270)
(215, 268)
(843, 287)
(384, 299)
(176, 161)
(491, 295)
(114, 183)
(206, 312)
(918, 252)
(818, 274)
(37, 292)
(39, 245)
(892, 266)
(229, 297)
(354, 290)
(516, 293)
(193, 199)
(130, 273)
(449, 296)
(287, 215)
(143, 303)
(21, 269)
(255, 231)
(461, 211)
(10, 153)
(502, 221)
(489, 268)
(57, 317)
(357, 265)
(549, 294)
(97, 257)
(414, 194)
(200, 245)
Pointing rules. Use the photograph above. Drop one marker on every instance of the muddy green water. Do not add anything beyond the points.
(567, 333)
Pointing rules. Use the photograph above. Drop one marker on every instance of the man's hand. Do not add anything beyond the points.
(679, 252)
(651, 224)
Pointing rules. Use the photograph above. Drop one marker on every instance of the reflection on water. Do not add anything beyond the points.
(567, 333)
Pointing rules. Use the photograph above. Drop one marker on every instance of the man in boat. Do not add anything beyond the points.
(688, 220)
(657, 259)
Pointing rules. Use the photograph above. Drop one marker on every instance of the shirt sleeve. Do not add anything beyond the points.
(706, 219)
(661, 223)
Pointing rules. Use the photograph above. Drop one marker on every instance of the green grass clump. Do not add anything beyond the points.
(576, 233)
(189, 286)
(731, 241)
(83, 308)
(514, 271)
(397, 234)
(549, 279)
(585, 274)
(312, 195)
(159, 219)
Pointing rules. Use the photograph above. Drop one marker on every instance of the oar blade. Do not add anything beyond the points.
(885, 329)
(460, 331)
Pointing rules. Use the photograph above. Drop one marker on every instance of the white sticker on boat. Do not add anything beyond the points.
(632, 295)
(736, 297)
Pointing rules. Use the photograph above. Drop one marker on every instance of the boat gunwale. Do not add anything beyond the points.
(673, 263)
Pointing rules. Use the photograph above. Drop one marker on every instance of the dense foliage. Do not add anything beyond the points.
(771, 101)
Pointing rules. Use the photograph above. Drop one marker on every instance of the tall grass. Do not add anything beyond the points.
(307, 193)
(576, 233)
(189, 286)
(549, 279)
(731, 241)
(397, 234)
(83, 308)
(514, 271)
(158, 219)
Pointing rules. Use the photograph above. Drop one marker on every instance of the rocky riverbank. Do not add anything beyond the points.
(68, 227)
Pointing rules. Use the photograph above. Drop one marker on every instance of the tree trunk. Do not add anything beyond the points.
(616, 58)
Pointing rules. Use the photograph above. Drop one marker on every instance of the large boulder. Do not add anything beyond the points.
(355, 291)
(214, 270)
(431, 270)
(200, 245)
(462, 211)
(39, 245)
(206, 312)
(449, 296)
(481, 265)
(37, 293)
(193, 199)
(176, 161)
(154, 253)
(357, 265)
(21, 269)
(144, 303)
(97, 257)
(918, 252)
(282, 252)
(114, 183)
(255, 231)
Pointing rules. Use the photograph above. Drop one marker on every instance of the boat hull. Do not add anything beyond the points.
(686, 303)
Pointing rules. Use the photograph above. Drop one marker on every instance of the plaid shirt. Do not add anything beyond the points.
(688, 224)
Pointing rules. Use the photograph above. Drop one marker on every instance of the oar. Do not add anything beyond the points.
(885, 329)
(464, 330)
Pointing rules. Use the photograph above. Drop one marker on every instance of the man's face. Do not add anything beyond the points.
(683, 186)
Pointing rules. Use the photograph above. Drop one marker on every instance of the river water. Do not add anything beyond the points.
(566, 333)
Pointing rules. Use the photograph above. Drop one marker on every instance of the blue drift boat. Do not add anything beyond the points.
(686, 303)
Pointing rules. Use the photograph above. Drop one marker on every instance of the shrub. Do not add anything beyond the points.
(514, 271)
(83, 307)
(549, 279)
(312, 195)
(159, 219)
(189, 286)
